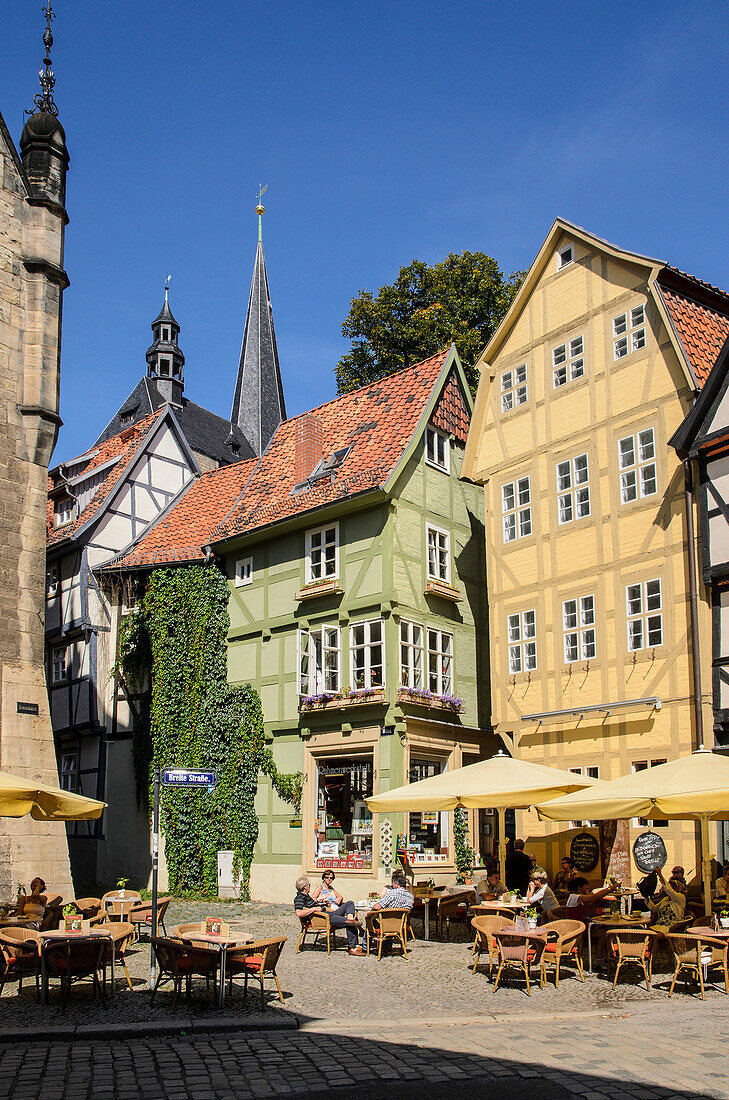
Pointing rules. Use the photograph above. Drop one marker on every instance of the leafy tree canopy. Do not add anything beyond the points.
(428, 307)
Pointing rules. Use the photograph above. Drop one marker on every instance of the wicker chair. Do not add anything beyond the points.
(255, 959)
(559, 913)
(20, 955)
(173, 964)
(75, 959)
(117, 908)
(715, 953)
(141, 915)
(686, 956)
(123, 935)
(387, 924)
(518, 951)
(564, 942)
(633, 946)
(704, 921)
(183, 930)
(317, 923)
(454, 907)
(484, 928)
(87, 907)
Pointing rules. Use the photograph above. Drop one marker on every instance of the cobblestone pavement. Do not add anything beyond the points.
(369, 1027)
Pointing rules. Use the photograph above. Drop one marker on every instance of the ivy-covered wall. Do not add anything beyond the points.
(173, 647)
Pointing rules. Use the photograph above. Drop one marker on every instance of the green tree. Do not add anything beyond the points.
(459, 301)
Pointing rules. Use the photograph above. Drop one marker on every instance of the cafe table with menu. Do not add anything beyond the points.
(218, 933)
(114, 933)
(640, 920)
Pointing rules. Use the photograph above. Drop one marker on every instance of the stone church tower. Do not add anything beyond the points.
(32, 280)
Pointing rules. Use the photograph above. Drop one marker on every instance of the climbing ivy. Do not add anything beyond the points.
(172, 654)
(465, 855)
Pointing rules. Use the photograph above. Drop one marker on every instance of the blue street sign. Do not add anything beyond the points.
(183, 777)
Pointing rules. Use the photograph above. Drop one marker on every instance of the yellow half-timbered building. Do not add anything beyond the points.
(592, 370)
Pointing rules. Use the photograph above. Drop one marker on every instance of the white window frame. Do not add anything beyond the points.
(59, 664)
(568, 362)
(367, 645)
(439, 657)
(516, 509)
(638, 465)
(442, 548)
(69, 772)
(514, 388)
(629, 331)
(521, 635)
(318, 678)
(644, 614)
(63, 518)
(243, 572)
(565, 256)
(573, 488)
(579, 631)
(52, 580)
(412, 646)
(434, 440)
(644, 822)
(591, 771)
(311, 550)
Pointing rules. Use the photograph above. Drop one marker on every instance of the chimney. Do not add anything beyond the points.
(309, 443)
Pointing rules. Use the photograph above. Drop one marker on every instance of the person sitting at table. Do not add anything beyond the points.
(669, 904)
(343, 916)
(518, 868)
(32, 906)
(491, 888)
(722, 883)
(394, 896)
(564, 878)
(583, 903)
(325, 891)
(539, 892)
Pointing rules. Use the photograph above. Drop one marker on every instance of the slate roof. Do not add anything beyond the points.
(700, 314)
(185, 527)
(122, 447)
(205, 431)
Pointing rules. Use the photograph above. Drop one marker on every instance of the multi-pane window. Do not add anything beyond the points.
(439, 554)
(319, 660)
(573, 488)
(243, 572)
(64, 511)
(437, 448)
(69, 772)
(321, 553)
(58, 664)
(591, 771)
(513, 388)
(644, 615)
(411, 654)
(637, 464)
(568, 361)
(578, 628)
(366, 654)
(565, 256)
(629, 332)
(51, 580)
(440, 662)
(516, 508)
(522, 635)
(642, 822)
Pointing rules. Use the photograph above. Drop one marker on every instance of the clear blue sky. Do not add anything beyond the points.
(385, 132)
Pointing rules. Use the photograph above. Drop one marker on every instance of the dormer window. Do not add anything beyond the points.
(64, 511)
(437, 448)
(565, 256)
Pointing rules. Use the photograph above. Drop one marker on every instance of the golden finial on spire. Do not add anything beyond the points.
(261, 209)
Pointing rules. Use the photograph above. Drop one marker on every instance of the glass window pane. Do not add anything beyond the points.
(638, 339)
(648, 484)
(581, 470)
(524, 494)
(620, 324)
(635, 634)
(570, 648)
(525, 522)
(530, 624)
(559, 355)
(521, 373)
(621, 347)
(655, 630)
(582, 499)
(587, 610)
(646, 445)
(565, 508)
(514, 658)
(560, 377)
(626, 452)
(569, 614)
(588, 644)
(508, 497)
(514, 628)
(628, 487)
(637, 315)
(578, 368)
(563, 476)
(634, 599)
(653, 595)
(530, 656)
(509, 528)
(576, 346)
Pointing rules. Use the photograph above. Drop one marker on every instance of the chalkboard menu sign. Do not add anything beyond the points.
(649, 852)
(585, 851)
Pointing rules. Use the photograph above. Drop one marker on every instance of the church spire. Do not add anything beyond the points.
(258, 402)
(165, 360)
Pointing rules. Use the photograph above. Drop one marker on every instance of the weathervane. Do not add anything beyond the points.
(261, 209)
(44, 100)
(167, 287)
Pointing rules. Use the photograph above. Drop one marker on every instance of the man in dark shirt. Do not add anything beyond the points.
(343, 916)
(518, 868)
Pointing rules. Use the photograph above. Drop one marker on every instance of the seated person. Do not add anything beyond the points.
(325, 891)
(491, 888)
(668, 905)
(343, 916)
(539, 892)
(583, 903)
(32, 906)
(396, 895)
(722, 883)
(564, 878)
(536, 866)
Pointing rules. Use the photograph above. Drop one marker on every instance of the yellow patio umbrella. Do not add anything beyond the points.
(500, 783)
(19, 797)
(696, 787)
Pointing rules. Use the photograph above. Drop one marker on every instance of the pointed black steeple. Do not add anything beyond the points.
(164, 358)
(43, 141)
(258, 402)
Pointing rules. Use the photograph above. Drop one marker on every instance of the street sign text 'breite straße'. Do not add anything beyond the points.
(183, 777)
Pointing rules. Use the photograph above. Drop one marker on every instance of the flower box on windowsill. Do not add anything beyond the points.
(330, 701)
(445, 591)
(315, 589)
(416, 698)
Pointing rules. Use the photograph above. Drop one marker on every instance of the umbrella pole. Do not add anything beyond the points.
(502, 842)
(706, 861)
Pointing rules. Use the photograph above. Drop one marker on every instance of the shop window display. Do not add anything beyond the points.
(428, 830)
(343, 824)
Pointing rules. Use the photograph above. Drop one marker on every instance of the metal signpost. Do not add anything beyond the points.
(169, 777)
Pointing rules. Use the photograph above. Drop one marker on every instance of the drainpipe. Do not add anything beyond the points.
(693, 600)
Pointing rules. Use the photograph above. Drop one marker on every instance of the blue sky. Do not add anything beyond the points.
(384, 133)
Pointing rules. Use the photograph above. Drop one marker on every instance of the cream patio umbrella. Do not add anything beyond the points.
(19, 797)
(696, 787)
(500, 783)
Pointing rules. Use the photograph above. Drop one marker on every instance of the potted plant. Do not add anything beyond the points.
(120, 885)
(531, 915)
(724, 918)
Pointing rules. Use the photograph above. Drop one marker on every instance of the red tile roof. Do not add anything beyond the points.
(377, 422)
(182, 532)
(123, 447)
(700, 314)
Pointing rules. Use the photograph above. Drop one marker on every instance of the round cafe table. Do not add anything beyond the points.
(239, 939)
(110, 933)
(611, 922)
